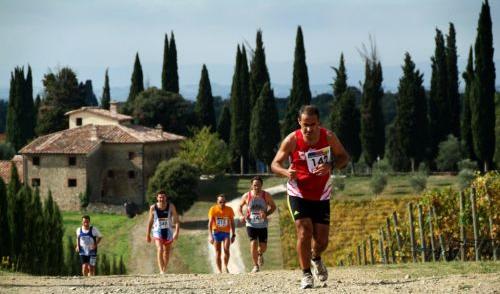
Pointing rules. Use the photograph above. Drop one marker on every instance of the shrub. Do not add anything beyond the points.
(418, 182)
(179, 179)
(378, 182)
(338, 182)
(467, 164)
(381, 166)
(448, 155)
(6, 151)
(207, 152)
(423, 168)
(465, 178)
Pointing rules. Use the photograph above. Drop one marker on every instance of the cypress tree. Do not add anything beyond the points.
(5, 242)
(172, 76)
(339, 87)
(71, 259)
(245, 103)
(372, 117)
(466, 131)
(421, 120)
(164, 71)
(27, 244)
(406, 126)
(264, 128)
(55, 233)
(87, 92)
(137, 85)
(13, 188)
(452, 72)
(439, 103)
(239, 112)
(38, 243)
(348, 127)
(300, 93)
(17, 93)
(19, 226)
(106, 92)
(259, 75)
(29, 110)
(482, 103)
(38, 102)
(204, 107)
(224, 125)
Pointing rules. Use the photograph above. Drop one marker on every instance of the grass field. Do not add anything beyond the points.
(114, 228)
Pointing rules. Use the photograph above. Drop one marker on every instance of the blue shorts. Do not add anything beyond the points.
(220, 236)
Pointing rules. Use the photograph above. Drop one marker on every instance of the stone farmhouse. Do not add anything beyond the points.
(101, 151)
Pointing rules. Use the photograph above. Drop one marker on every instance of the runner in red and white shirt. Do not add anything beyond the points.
(312, 152)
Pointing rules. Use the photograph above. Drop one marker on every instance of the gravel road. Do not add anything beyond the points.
(342, 280)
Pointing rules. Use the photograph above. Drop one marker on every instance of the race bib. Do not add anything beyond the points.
(255, 218)
(221, 222)
(317, 157)
(164, 223)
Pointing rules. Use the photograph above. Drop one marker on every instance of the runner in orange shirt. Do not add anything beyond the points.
(220, 225)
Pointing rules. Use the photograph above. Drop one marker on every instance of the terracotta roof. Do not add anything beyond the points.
(84, 139)
(102, 112)
(5, 168)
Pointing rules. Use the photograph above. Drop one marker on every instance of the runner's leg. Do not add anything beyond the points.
(254, 250)
(217, 246)
(159, 255)
(166, 255)
(227, 243)
(320, 239)
(304, 228)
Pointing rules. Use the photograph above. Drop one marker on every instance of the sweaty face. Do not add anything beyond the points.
(85, 222)
(256, 186)
(309, 125)
(161, 198)
(221, 201)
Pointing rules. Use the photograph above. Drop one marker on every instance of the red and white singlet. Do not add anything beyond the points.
(303, 160)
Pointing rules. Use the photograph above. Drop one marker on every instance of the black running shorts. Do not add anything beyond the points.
(317, 211)
(257, 234)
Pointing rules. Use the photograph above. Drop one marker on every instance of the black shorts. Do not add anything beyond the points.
(90, 259)
(317, 211)
(257, 234)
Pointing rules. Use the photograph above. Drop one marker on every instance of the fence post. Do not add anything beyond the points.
(431, 233)
(365, 262)
(372, 256)
(461, 224)
(474, 223)
(421, 228)
(396, 232)
(440, 236)
(381, 245)
(490, 224)
(412, 232)
(358, 251)
(389, 240)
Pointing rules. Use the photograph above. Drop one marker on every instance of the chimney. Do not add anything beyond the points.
(113, 105)
(159, 130)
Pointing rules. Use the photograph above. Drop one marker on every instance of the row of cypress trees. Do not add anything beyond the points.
(31, 232)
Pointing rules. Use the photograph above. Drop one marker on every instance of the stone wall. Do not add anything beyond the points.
(54, 172)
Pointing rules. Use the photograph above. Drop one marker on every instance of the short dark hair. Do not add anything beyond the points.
(86, 217)
(220, 195)
(257, 178)
(309, 110)
(161, 192)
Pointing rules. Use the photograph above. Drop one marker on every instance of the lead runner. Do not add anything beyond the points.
(313, 152)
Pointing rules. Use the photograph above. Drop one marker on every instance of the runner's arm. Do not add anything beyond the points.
(150, 224)
(270, 203)
(176, 221)
(286, 148)
(210, 221)
(243, 202)
(340, 156)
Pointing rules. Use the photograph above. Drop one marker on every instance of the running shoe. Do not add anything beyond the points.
(260, 260)
(319, 270)
(255, 269)
(307, 281)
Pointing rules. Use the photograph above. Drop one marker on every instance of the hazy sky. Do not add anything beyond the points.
(91, 35)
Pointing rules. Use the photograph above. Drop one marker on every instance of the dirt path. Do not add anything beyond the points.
(142, 255)
(343, 280)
